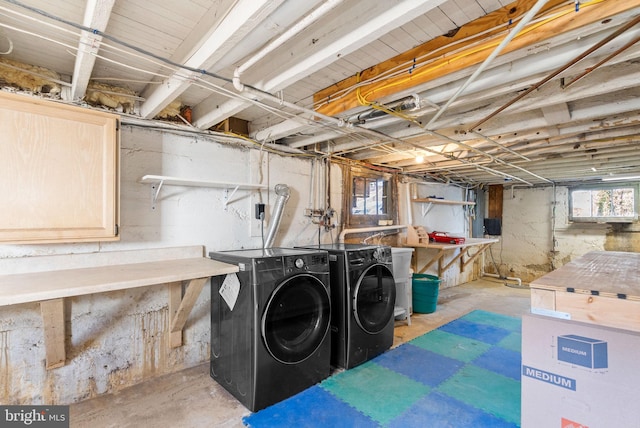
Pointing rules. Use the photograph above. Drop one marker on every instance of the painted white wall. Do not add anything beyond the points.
(453, 219)
(120, 338)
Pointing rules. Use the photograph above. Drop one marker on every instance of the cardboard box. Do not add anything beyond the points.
(578, 375)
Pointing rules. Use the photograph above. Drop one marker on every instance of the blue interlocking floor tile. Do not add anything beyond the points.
(437, 410)
(483, 332)
(502, 361)
(419, 364)
(505, 322)
(464, 374)
(309, 409)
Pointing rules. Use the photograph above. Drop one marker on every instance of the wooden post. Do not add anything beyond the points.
(54, 332)
(175, 297)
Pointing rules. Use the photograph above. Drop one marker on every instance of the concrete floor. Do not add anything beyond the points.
(190, 398)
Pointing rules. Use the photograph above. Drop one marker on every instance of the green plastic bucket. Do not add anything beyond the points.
(425, 292)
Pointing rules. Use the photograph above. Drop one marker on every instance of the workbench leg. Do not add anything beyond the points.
(179, 316)
(54, 332)
(175, 297)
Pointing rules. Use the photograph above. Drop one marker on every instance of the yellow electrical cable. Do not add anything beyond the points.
(267, 148)
(363, 99)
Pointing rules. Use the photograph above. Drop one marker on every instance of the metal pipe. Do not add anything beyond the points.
(493, 275)
(525, 20)
(571, 63)
(309, 19)
(282, 190)
(377, 134)
(604, 61)
(369, 229)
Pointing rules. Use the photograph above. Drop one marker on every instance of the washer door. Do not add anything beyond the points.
(374, 298)
(296, 318)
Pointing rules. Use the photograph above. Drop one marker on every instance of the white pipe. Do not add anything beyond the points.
(409, 205)
(318, 13)
(312, 185)
(525, 20)
(493, 275)
(369, 229)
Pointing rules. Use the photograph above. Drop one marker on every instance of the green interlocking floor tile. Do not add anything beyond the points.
(496, 320)
(485, 390)
(377, 392)
(512, 342)
(451, 345)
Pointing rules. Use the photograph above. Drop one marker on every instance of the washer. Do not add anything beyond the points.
(273, 342)
(363, 295)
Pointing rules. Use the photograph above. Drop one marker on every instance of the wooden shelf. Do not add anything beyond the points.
(160, 180)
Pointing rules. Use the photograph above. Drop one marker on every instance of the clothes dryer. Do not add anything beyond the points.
(270, 323)
(363, 295)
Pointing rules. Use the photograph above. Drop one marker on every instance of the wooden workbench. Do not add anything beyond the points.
(417, 241)
(601, 287)
(51, 287)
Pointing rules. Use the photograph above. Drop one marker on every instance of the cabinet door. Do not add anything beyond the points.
(59, 175)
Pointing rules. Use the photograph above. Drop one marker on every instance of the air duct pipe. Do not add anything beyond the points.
(282, 190)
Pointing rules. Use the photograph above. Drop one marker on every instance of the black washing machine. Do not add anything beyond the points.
(270, 323)
(363, 295)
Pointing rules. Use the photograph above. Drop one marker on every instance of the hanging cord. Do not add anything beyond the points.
(262, 228)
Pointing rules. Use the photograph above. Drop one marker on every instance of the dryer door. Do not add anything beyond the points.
(374, 298)
(296, 318)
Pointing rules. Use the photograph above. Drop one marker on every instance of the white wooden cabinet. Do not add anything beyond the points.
(59, 172)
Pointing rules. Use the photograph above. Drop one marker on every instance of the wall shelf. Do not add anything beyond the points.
(429, 202)
(160, 180)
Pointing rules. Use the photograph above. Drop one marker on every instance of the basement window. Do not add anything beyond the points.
(370, 199)
(616, 203)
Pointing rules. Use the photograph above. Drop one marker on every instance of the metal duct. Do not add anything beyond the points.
(282, 190)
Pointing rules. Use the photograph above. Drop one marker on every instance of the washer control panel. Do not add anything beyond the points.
(318, 262)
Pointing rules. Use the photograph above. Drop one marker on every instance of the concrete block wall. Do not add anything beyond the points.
(453, 219)
(538, 238)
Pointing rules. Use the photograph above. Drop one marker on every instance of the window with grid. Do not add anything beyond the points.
(604, 204)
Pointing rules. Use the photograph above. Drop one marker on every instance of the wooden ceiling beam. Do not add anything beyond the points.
(96, 16)
(478, 38)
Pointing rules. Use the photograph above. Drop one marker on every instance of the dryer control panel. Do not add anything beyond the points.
(307, 263)
(366, 256)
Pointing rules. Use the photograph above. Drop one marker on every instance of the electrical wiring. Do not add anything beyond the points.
(417, 66)
(118, 41)
(119, 52)
(268, 148)
(363, 99)
(30, 33)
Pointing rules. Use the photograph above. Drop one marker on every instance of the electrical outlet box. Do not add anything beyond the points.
(259, 211)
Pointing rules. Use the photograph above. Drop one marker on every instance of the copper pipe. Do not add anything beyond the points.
(577, 59)
(605, 60)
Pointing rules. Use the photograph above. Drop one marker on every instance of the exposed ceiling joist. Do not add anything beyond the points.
(97, 14)
(238, 22)
(319, 50)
